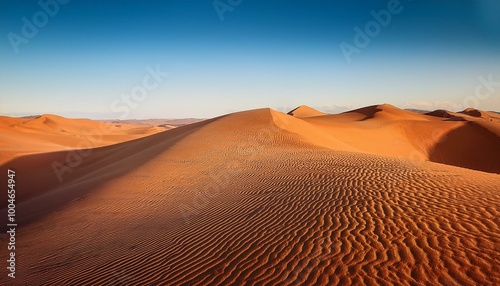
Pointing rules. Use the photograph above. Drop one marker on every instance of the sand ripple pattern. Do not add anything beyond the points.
(320, 218)
(290, 215)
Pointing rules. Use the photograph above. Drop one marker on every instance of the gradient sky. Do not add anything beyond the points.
(277, 54)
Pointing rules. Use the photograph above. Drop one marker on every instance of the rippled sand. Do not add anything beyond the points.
(265, 198)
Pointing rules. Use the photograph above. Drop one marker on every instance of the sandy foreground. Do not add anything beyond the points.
(375, 196)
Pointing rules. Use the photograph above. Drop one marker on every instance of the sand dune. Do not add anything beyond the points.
(49, 132)
(438, 136)
(265, 198)
(488, 116)
(305, 111)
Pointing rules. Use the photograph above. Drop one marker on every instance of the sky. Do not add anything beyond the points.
(176, 59)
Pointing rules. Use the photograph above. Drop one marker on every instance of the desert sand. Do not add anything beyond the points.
(48, 132)
(374, 196)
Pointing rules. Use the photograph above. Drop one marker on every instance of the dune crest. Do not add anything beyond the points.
(305, 111)
(384, 112)
(262, 197)
(48, 132)
(390, 131)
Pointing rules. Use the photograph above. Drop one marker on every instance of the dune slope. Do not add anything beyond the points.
(47, 133)
(440, 136)
(305, 111)
(248, 199)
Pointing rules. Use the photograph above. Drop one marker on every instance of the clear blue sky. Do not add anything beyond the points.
(232, 56)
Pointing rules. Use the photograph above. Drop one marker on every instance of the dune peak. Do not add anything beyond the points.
(472, 112)
(305, 111)
(199, 196)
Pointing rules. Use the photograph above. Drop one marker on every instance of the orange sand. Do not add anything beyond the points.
(261, 197)
(53, 133)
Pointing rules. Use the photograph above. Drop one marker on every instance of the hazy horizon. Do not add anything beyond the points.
(286, 109)
(200, 60)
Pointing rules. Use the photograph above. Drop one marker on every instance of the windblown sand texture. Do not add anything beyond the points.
(377, 195)
(48, 132)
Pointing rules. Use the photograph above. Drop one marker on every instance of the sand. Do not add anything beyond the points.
(48, 132)
(261, 197)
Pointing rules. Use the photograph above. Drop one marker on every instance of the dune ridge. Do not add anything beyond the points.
(48, 132)
(262, 197)
(305, 111)
(438, 136)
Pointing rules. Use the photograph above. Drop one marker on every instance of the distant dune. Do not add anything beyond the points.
(158, 122)
(440, 136)
(372, 196)
(44, 133)
(305, 111)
